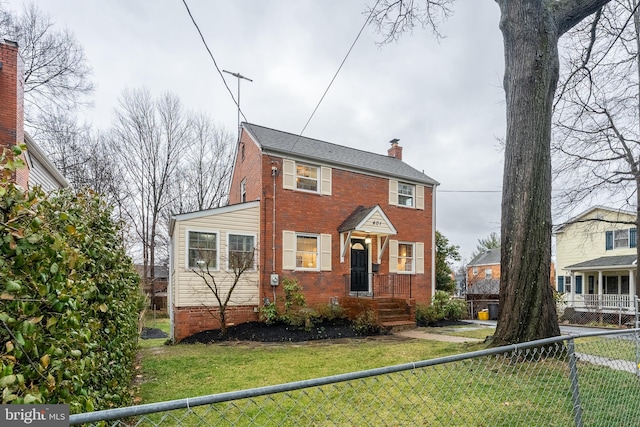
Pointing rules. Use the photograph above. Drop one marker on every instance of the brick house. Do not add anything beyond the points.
(39, 169)
(351, 226)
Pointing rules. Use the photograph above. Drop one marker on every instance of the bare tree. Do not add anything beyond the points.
(148, 137)
(202, 181)
(531, 30)
(56, 74)
(598, 112)
(223, 282)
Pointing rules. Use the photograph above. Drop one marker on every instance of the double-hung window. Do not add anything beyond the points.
(202, 250)
(307, 177)
(406, 194)
(621, 239)
(240, 252)
(307, 251)
(406, 260)
(488, 273)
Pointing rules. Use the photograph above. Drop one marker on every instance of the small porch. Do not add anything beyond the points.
(389, 297)
(602, 290)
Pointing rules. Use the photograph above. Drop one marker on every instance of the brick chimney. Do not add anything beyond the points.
(12, 101)
(395, 150)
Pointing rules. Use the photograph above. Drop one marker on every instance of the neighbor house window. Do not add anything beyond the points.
(405, 257)
(202, 250)
(611, 285)
(567, 284)
(243, 191)
(405, 194)
(241, 252)
(306, 177)
(621, 239)
(307, 251)
(475, 271)
(488, 273)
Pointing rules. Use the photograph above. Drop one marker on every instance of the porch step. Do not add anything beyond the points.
(398, 325)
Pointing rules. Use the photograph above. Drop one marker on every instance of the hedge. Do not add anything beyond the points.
(69, 300)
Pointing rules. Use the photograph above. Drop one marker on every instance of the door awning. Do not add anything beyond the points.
(371, 221)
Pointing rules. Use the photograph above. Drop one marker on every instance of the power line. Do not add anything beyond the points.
(212, 58)
(335, 75)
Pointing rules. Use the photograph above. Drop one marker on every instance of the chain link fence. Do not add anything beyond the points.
(599, 311)
(590, 380)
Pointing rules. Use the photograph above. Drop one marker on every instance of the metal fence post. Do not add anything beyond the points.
(575, 391)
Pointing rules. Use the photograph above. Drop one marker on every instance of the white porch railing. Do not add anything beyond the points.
(607, 302)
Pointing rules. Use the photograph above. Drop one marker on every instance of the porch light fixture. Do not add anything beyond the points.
(367, 240)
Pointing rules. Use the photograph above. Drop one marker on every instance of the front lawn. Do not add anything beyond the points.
(188, 370)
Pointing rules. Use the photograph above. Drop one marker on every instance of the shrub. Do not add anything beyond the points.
(294, 302)
(269, 313)
(366, 324)
(331, 312)
(69, 301)
(442, 307)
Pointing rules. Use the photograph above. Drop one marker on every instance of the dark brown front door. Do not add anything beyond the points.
(359, 264)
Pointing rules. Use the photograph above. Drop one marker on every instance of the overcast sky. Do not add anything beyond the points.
(443, 99)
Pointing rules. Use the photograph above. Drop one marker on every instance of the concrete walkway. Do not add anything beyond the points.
(417, 334)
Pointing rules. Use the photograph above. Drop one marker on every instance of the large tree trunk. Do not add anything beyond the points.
(531, 29)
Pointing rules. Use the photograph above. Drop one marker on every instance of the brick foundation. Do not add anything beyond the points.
(190, 320)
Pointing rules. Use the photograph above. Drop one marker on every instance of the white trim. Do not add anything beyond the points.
(413, 257)
(318, 253)
(325, 181)
(186, 246)
(255, 247)
(215, 211)
(433, 240)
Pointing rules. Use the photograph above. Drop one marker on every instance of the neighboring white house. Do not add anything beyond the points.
(207, 240)
(42, 172)
(596, 260)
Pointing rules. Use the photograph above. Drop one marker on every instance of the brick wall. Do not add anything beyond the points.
(313, 213)
(190, 320)
(12, 102)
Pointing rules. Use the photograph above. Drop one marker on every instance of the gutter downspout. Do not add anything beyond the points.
(433, 241)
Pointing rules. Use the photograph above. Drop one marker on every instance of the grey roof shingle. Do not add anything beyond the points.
(490, 257)
(287, 144)
(605, 261)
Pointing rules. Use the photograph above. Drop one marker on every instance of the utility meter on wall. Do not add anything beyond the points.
(275, 280)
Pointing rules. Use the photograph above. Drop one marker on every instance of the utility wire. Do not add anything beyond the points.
(213, 59)
(335, 75)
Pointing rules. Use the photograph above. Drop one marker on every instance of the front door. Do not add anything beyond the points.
(359, 266)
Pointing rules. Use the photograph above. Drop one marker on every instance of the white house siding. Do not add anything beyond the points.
(585, 240)
(190, 289)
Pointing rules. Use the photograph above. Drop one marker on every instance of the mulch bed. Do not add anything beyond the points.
(280, 332)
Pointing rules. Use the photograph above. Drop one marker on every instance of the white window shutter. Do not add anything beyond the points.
(288, 250)
(419, 258)
(325, 252)
(325, 173)
(393, 192)
(288, 174)
(393, 256)
(420, 197)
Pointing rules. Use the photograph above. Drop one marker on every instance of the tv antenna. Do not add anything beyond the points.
(239, 77)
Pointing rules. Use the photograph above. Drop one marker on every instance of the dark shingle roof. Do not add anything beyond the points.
(490, 257)
(605, 261)
(287, 144)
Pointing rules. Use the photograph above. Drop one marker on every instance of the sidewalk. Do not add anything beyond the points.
(417, 334)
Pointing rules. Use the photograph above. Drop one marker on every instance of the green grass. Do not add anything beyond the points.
(460, 331)
(161, 323)
(487, 391)
(175, 372)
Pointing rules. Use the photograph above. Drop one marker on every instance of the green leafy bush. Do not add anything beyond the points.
(366, 324)
(69, 300)
(442, 307)
(294, 304)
